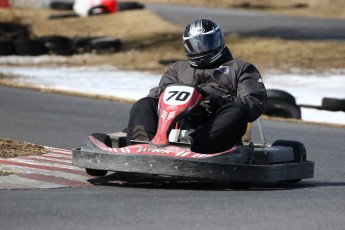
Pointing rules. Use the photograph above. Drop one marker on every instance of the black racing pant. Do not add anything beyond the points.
(219, 133)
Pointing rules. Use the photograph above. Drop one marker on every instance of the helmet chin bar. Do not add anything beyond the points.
(207, 61)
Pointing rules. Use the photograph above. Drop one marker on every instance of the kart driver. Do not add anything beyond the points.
(236, 93)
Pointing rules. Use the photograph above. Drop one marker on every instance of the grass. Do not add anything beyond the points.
(15, 148)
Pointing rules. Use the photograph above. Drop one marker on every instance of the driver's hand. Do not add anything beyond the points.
(213, 102)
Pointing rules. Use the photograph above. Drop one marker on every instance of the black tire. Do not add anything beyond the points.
(104, 138)
(333, 104)
(280, 94)
(58, 45)
(96, 172)
(6, 48)
(82, 44)
(29, 47)
(282, 108)
(98, 10)
(299, 152)
(14, 31)
(130, 6)
(62, 16)
(61, 6)
(106, 45)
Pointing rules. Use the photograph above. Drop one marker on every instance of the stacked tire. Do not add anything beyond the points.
(106, 45)
(282, 104)
(60, 45)
(6, 47)
(29, 47)
(98, 45)
(130, 6)
(333, 104)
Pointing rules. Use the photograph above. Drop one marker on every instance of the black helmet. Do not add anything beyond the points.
(203, 42)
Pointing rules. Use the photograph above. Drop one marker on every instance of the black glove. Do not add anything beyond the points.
(213, 102)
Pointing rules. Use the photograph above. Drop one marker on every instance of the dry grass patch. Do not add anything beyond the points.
(129, 26)
(286, 55)
(2, 173)
(14, 148)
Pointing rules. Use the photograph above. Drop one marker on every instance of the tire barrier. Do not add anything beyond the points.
(83, 44)
(282, 108)
(130, 6)
(60, 45)
(61, 5)
(62, 16)
(13, 31)
(6, 48)
(333, 104)
(106, 45)
(29, 47)
(280, 94)
(282, 104)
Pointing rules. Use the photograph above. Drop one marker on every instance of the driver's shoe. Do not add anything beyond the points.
(140, 134)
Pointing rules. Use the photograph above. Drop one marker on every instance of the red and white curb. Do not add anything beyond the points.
(52, 170)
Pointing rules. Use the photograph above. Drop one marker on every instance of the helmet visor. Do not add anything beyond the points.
(201, 44)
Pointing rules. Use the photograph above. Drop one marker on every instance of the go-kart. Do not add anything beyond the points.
(167, 156)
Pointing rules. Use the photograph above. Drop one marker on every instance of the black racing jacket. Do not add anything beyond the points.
(239, 80)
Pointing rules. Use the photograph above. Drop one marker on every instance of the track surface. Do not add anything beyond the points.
(63, 122)
(254, 23)
(313, 204)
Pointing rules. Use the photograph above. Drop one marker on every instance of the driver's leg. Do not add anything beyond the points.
(223, 131)
(143, 119)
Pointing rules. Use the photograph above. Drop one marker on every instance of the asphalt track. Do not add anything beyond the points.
(53, 119)
(255, 23)
(62, 121)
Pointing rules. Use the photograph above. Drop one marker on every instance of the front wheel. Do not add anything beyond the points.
(299, 152)
(96, 172)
